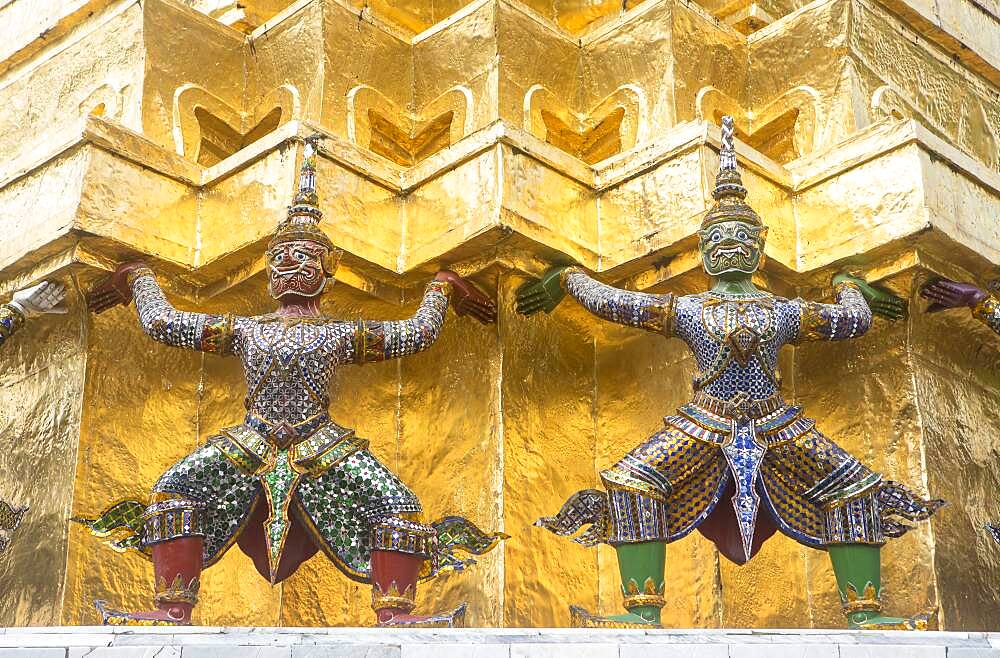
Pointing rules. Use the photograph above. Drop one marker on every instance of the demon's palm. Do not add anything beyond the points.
(542, 294)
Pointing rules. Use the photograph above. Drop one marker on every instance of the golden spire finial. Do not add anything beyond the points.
(304, 214)
(729, 193)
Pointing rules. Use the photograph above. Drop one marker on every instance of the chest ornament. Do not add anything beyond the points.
(740, 328)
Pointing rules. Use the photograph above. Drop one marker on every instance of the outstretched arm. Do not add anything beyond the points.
(376, 340)
(848, 318)
(945, 293)
(162, 322)
(634, 309)
(41, 299)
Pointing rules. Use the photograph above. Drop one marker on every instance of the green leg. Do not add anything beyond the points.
(858, 568)
(641, 567)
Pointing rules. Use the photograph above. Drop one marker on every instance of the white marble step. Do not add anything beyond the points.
(219, 642)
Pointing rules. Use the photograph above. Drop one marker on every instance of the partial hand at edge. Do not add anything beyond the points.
(42, 299)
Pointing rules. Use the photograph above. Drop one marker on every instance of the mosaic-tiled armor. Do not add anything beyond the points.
(737, 462)
(985, 306)
(288, 481)
(987, 311)
(11, 320)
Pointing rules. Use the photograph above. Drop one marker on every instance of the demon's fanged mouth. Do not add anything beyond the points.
(730, 252)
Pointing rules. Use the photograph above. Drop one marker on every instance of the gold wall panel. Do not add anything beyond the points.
(548, 207)
(168, 29)
(106, 55)
(24, 30)
(357, 53)
(612, 61)
(140, 416)
(499, 423)
(361, 216)
(963, 211)
(52, 214)
(549, 446)
(161, 213)
(244, 208)
(450, 424)
(461, 57)
(850, 219)
(653, 211)
(956, 386)
(533, 55)
(958, 103)
(706, 54)
(41, 399)
(434, 224)
(291, 52)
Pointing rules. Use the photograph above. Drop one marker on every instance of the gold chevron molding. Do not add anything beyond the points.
(242, 15)
(575, 17)
(379, 124)
(208, 130)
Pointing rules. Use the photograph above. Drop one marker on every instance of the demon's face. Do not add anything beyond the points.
(298, 267)
(732, 247)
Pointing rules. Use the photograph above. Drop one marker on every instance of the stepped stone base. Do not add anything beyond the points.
(213, 642)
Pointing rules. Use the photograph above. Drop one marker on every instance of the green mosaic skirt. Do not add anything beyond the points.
(338, 506)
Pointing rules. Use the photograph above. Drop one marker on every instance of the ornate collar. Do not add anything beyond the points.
(739, 296)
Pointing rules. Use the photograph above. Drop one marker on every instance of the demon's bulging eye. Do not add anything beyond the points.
(715, 236)
(278, 257)
(301, 257)
(742, 235)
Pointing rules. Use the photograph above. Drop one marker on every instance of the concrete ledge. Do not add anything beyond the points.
(205, 642)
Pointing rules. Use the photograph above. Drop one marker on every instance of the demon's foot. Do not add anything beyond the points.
(175, 614)
(875, 622)
(398, 619)
(580, 618)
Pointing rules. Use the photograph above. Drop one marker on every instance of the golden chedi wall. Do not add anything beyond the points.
(495, 137)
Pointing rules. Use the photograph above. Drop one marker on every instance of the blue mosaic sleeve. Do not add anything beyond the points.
(392, 339)
(848, 318)
(988, 311)
(10, 321)
(634, 309)
(162, 322)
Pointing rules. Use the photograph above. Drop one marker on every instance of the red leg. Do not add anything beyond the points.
(172, 529)
(177, 574)
(399, 550)
(177, 571)
(394, 583)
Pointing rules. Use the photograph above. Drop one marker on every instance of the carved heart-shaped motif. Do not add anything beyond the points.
(379, 124)
(208, 130)
(614, 125)
(783, 130)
